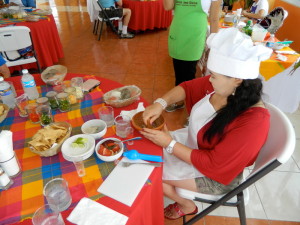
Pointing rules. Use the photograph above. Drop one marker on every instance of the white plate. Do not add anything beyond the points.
(78, 154)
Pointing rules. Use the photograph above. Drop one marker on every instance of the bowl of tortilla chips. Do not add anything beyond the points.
(3, 111)
(48, 140)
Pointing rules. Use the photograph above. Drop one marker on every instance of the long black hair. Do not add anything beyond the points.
(246, 95)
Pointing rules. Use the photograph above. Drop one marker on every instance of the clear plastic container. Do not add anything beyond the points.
(63, 102)
(42, 101)
(71, 94)
(51, 95)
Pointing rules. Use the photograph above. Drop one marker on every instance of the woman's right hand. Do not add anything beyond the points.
(152, 112)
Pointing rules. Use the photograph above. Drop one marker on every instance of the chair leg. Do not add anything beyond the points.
(183, 220)
(94, 29)
(100, 30)
(241, 209)
(37, 62)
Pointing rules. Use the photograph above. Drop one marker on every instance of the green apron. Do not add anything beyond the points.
(188, 30)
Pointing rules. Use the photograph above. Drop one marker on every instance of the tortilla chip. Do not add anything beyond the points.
(47, 136)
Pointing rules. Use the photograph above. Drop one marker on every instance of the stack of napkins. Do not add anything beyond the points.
(89, 212)
(131, 113)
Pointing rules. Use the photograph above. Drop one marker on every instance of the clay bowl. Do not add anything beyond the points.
(138, 123)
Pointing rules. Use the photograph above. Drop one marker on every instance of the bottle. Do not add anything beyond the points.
(271, 41)
(248, 29)
(29, 85)
(6, 93)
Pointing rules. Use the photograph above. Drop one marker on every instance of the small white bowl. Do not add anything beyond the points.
(87, 128)
(113, 157)
(78, 154)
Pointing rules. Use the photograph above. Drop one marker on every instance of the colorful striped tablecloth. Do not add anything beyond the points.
(26, 195)
(6, 22)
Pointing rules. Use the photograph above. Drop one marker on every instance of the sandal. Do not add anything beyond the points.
(179, 212)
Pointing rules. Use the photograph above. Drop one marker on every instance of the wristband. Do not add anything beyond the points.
(161, 101)
(169, 149)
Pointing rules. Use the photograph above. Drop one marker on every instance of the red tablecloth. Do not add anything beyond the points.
(146, 209)
(46, 43)
(147, 15)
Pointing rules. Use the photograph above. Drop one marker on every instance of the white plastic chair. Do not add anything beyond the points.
(278, 148)
(102, 17)
(13, 38)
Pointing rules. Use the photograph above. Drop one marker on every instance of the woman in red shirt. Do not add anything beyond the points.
(228, 122)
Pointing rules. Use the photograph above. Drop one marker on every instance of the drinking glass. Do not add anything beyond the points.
(21, 103)
(106, 113)
(122, 123)
(57, 193)
(80, 168)
(129, 132)
(47, 214)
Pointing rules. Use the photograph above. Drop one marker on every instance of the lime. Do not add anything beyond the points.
(79, 142)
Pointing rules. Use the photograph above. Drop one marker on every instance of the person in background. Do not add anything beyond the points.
(4, 71)
(258, 10)
(187, 36)
(25, 3)
(112, 11)
(228, 122)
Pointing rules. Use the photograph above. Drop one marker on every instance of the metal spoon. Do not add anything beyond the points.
(132, 139)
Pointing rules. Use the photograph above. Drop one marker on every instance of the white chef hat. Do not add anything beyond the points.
(233, 54)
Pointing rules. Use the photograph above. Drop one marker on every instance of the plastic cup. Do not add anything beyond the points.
(130, 134)
(45, 114)
(32, 114)
(80, 168)
(122, 123)
(77, 83)
(47, 214)
(57, 193)
(258, 33)
(106, 113)
(21, 103)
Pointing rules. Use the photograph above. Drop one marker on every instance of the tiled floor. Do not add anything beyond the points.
(144, 61)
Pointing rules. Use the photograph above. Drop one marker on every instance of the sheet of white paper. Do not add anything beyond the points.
(124, 183)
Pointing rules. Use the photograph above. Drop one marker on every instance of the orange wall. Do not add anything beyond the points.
(290, 27)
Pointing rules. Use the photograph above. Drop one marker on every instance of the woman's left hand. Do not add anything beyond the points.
(161, 138)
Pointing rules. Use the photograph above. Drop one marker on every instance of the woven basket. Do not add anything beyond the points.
(56, 149)
(3, 116)
(135, 95)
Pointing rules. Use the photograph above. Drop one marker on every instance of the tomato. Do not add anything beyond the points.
(107, 152)
(116, 149)
(101, 149)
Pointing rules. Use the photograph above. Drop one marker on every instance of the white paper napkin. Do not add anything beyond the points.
(6, 150)
(131, 113)
(89, 212)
